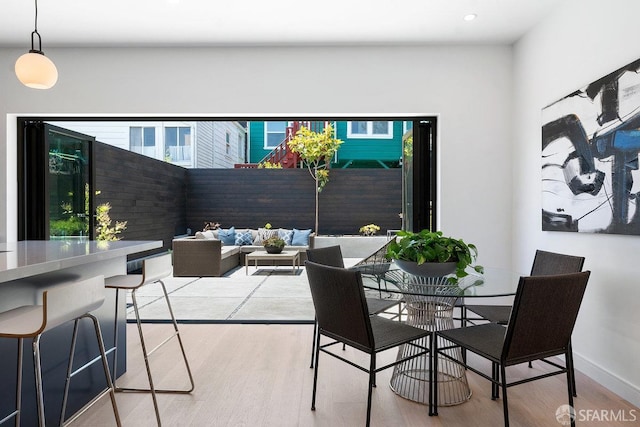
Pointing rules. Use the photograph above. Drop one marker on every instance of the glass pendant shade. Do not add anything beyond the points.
(35, 70)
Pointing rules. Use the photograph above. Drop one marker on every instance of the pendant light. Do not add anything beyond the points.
(33, 69)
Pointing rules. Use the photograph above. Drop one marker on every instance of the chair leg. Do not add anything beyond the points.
(434, 382)
(570, 389)
(495, 387)
(372, 384)
(37, 369)
(177, 334)
(505, 405)
(573, 372)
(313, 346)
(67, 381)
(105, 366)
(315, 372)
(431, 378)
(146, 358)
(18, 384)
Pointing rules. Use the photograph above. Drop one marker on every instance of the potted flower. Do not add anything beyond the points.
(430, 253)
(369, 229)
(273, 245)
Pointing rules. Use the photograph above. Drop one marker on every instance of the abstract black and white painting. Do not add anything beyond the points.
(590, 146)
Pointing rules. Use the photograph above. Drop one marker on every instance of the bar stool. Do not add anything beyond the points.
(153, 271)
(60, 304)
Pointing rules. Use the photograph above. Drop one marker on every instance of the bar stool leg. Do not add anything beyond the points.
(146, 358)
(37, 369)
(105, 366)
(177, 333)
(16, 412)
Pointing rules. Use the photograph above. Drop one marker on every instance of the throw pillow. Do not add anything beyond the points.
(205, 235)
(227, 236)
(300, 237)
(286, 235)
(243, 238)
(264, 234)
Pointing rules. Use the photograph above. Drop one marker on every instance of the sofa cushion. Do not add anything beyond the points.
(244, 238)
(286, 235)
(209, 234)
(228, 236)
(264, 234)
(300, 237)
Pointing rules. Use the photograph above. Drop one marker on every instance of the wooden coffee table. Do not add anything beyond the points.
(292, 256)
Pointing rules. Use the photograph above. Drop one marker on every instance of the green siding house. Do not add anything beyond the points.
(366, 144)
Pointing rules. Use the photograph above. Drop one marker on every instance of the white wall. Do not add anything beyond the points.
(580, 42)
(468, 87)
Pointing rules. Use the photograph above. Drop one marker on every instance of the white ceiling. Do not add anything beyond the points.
(267, 22)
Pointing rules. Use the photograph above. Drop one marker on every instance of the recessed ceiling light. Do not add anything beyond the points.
(470, 17)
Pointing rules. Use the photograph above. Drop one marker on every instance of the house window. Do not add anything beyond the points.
(177, 144)
(227, 141)
(382, 130)
(406, 126)
(240, 148)
(142, 140)
(274, 133)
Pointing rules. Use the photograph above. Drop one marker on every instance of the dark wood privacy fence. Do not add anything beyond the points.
(149, 194)
(160, 200)
(285, 198)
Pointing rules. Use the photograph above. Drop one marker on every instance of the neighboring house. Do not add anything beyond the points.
(210, 144)
(366, 144)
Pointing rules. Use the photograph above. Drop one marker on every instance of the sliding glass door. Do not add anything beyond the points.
(56, 183)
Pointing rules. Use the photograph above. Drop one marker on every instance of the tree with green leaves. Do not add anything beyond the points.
(316, 150)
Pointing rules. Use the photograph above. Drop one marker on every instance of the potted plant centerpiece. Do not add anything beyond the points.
(430, 253)
(273, 245)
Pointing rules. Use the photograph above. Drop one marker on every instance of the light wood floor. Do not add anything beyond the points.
(258, 375)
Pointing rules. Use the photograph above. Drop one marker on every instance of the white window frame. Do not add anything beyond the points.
(405, 126)
(191, 142)
(370, 134)
(266, 134)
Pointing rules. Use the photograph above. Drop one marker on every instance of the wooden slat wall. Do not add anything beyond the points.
(249, 198)
(149, 194)
(160, 200)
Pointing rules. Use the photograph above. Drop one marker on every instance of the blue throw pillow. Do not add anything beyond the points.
(286, 235)
(244, 238)
(228, 237)
(300, 237)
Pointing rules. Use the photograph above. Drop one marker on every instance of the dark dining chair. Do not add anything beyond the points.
(540, 325)
(544, 264)
(343, 316)
(332, 255)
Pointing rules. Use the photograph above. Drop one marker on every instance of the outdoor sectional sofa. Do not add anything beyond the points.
(212, 253)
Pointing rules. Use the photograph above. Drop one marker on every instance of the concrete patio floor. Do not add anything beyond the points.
(267, 294)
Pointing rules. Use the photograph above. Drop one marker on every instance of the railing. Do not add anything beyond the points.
(281, 154)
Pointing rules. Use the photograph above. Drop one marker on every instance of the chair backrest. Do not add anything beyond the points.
(329, 255)
(544, 313)
(156, 268)
(341, 308)
(547, 263)
(69, 301)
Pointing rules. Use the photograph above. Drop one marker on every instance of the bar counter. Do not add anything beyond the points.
(27, 268)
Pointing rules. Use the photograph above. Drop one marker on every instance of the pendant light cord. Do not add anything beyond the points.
(35, 32)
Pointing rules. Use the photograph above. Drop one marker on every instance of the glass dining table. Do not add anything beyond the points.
(429, 304)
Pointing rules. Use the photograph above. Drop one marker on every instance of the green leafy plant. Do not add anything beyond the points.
(269, 165)
(369, 229)
(316, 150)
(276, 242)
(104, 230)
(433, 246)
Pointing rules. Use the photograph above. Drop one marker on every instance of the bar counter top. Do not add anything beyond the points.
(19, 260)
